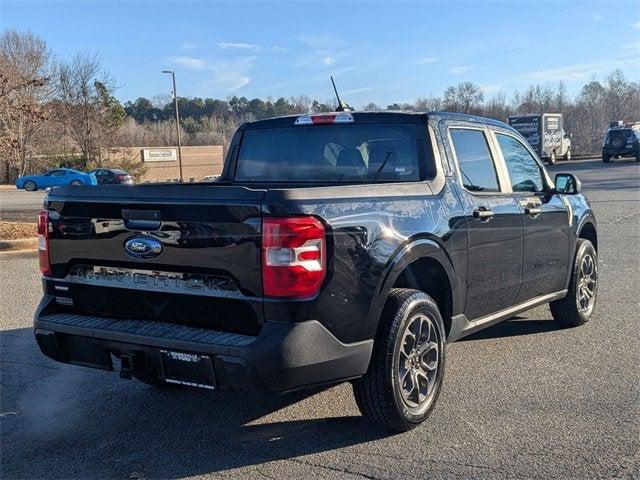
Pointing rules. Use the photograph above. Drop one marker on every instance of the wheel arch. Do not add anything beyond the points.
(588, 231)
(423, 265)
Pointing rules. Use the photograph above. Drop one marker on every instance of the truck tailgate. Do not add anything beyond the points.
(203, 271)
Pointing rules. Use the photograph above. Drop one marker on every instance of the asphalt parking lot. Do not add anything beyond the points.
(20, 205)
(522, 399)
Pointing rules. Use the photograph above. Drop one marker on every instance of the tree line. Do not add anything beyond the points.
(65, 113)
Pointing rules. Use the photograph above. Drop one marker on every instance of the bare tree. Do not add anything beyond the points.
(428, 104)
(370, 107)
(86, 107)
(25, 69)
(465, 97)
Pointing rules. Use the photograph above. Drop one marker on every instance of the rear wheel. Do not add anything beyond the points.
(405, 375)
(576, 308)
(30, 186)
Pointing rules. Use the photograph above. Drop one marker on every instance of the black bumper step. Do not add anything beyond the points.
(142, 328)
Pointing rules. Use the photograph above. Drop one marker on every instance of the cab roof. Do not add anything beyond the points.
(383, 116)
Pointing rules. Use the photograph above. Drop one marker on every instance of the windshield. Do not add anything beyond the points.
(330, 153)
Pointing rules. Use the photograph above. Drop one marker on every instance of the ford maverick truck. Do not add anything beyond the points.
(334, 247)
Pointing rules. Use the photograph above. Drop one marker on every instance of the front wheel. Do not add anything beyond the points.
(567, 155)
(552, 158)
(30, 186)
(405, 375)
(576, 308)
(606, 158)
(75, 183)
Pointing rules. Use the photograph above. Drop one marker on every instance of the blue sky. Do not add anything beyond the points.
(380, 52)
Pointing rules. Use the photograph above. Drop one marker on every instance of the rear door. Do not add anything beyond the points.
(545, 219)
(494, 224)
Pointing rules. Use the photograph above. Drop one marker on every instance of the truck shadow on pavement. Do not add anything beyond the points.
(516, 326)
(63, 421)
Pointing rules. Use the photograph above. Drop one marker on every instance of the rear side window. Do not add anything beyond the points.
(524, 171)
(474, 160)
(330, 153)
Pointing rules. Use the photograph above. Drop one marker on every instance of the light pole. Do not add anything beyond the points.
(175, 104)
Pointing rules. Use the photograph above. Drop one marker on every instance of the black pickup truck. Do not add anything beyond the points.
(334, 247)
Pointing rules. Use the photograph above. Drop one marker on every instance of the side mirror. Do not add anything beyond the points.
(567, 184)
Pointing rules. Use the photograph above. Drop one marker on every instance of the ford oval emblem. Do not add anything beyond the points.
(142, 247)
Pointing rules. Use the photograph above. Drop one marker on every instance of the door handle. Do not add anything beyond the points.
(532, 211)
(148, 220)
(483, 214)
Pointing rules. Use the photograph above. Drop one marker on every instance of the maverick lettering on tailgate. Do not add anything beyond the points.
(154, 280)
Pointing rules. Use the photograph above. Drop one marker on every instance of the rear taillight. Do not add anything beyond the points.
(293, 256)
(43, 243)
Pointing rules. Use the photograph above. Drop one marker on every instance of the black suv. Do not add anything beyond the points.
(621, 141)
(334, 247)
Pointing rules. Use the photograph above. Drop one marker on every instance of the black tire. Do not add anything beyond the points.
(30, 186)
(606, 158)
(567, 155)
(552, 158)
(571, 310)
(75, 183)
(379, 394)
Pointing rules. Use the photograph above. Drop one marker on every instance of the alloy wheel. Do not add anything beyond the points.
(418, 361)
(587, 283)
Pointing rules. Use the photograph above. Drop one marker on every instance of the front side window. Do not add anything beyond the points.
(330, 153)
(474, 159)
(525, 173)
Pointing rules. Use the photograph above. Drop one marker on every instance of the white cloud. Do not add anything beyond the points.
(425, 61)
(321, 41)
(238, 46)
(460, 70)
(231, 75)
(192, 63)
(328, 60)
(323, 78)
(187, 45)
(635, 25)
(359, 90)
(596, 17)
(582, 70)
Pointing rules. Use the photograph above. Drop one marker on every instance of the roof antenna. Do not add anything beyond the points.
(342, 107)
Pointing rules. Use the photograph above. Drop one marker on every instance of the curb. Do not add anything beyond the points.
(29, 244)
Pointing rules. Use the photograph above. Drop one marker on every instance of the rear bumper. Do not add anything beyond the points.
(284, 356)
(621, 152)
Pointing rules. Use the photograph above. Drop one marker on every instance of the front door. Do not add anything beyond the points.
(545, 219)
(494, 225)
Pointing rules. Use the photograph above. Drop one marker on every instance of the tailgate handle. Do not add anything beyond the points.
(141, 219)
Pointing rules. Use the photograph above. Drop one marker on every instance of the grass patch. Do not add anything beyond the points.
(16, 230)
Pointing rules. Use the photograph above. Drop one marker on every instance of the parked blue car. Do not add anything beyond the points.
(56, 178)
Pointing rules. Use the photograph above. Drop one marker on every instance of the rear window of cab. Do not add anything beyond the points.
(332, 153)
